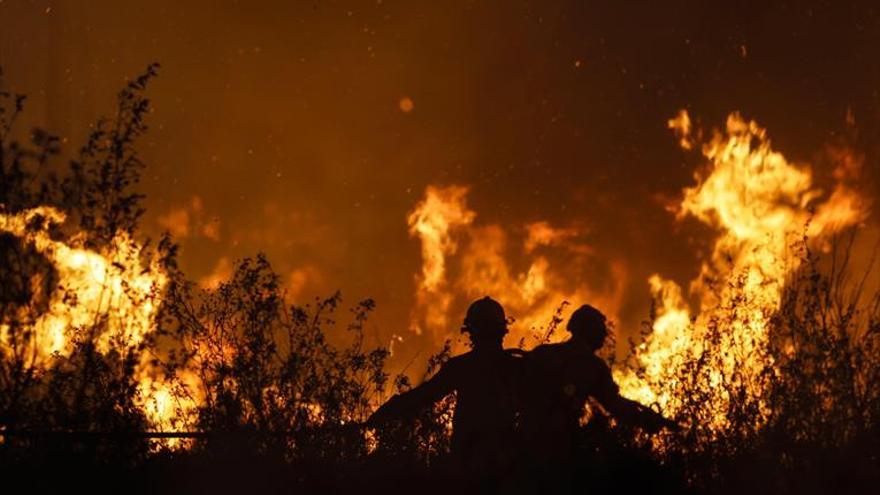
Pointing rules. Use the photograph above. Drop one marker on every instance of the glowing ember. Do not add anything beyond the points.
(406, 104)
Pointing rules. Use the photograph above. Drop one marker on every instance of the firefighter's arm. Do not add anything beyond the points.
(410, 403)
(629, 411)
(635, 414)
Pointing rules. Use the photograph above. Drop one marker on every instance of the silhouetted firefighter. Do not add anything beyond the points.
(561, 377)
(486, 381)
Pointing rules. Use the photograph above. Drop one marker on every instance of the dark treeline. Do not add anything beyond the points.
(280, 408)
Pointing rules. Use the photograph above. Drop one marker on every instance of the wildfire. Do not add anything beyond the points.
(760, 204)
(90, 283)
(433, 222)
(554, 261)
(112, 291)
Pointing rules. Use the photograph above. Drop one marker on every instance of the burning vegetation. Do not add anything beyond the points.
(768, 215)
(770, 356)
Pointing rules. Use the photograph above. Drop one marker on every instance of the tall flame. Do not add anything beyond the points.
(554, 270)
(113, 286)
(760, 204)
(433, 221)
(91, 283)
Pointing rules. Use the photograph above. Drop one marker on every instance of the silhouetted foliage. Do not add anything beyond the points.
(426, 438)
(812, 427)
(276, 385)
(83, 389)
(264, 366)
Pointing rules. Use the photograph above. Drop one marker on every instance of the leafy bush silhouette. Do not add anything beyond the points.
(811, 427)
(265, 369)
(268, 382)
(426, 439)
(83, 389)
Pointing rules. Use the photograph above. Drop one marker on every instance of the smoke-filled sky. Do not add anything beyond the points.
(310, 130)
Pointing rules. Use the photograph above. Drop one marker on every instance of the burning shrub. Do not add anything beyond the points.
(104, 338)
(806, 418)
(825, 390)
(777, 365)
(423, 440)
(265, 368)
(79, 296)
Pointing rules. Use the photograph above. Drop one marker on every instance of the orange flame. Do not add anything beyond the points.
(433, 221)
(484, 267)
(114, 285)
(760, 204)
